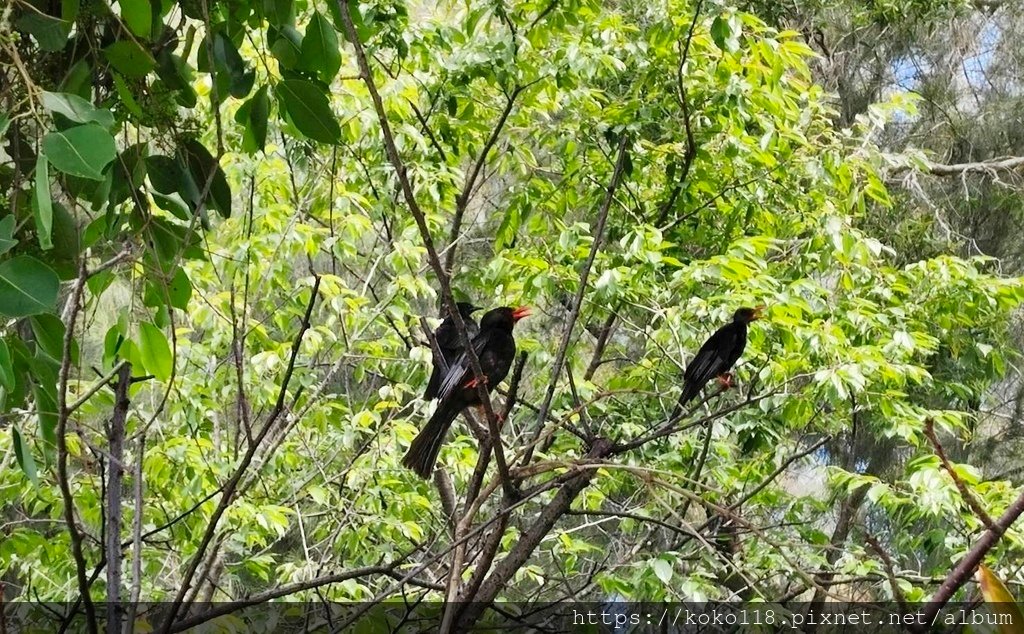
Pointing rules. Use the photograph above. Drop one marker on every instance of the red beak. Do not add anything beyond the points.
(519, 313)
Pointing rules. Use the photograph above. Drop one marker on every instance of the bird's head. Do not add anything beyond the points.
(466, 309)
(746, 315)
(504, 317)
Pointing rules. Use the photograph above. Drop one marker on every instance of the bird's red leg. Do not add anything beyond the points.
(473, 382)
(725, 380)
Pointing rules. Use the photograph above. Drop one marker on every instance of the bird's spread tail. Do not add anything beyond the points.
(423, 451)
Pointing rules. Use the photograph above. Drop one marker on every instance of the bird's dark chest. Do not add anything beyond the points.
(496, 358)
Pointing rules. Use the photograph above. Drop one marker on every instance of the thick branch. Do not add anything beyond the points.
(970, 562)
(532, 536)
(114, 486)
(1008, 164)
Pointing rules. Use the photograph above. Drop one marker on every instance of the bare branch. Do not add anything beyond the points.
(114, 486)
(1008, 164)
(63, 414)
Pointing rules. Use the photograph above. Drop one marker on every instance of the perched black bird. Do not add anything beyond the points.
(450, 346)
(496, 348)
(718, 354)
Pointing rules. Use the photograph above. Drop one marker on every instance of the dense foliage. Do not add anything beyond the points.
(218, 288)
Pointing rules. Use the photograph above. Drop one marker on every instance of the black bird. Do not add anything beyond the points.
(718, 354)
(496, 348)
(450, 345)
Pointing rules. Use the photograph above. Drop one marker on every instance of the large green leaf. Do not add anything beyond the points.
(129, 58)
(83, 151)
(76, 109)
(309, 109)
(27, 287)
(286, 46)
(253, 114)
(44, 391)
(7, 240)
(226, 56)
(7, 380)
(138, 15)
(42, 204)
(202, 166)
(49, 332)
(320, 49)
(23, 454)
(51, 33)
(155, 351)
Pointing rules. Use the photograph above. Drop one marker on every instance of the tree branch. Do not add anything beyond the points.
(391, 149)
(63, 413)
(574, 313)
(966, 567)
(114, 486)
(467, 189)
(229, 488)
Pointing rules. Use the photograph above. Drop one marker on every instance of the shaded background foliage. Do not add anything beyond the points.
(200, 194)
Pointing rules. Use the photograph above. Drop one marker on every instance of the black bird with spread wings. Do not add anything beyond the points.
(449, 345)
(496, 348)
(718, 354)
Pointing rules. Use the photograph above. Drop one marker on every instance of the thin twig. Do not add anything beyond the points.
(229, 488)
(979, 511)
(574, 313)
(63, 413)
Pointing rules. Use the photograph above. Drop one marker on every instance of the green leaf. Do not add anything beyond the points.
(138, 15)
(7, 380)
(155, 351)
(179, 291)
(127, 98)
(129, 58)
(78, 79)
(253, 115)
(69, 9)
(279, 12)
(310, 110)
(27, 287)
(83, 151)
(226, 57)
(23, 454)
(287, 46)
(662, 570)
(320, 49)
(76, 109)
(725, 33)
(46, 409)
(202, 166)
(42, 204)
(5, 123)
(49, 332)
(50, 32)
(7, 240)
